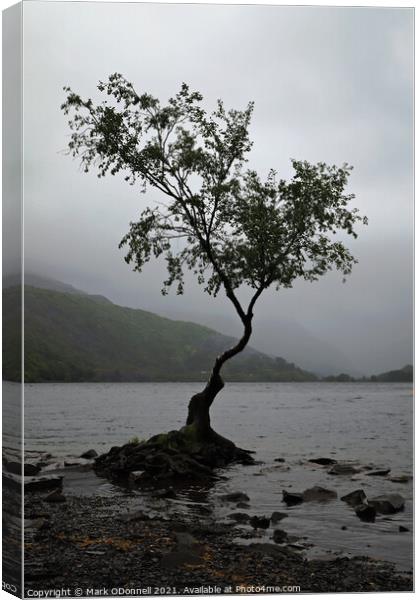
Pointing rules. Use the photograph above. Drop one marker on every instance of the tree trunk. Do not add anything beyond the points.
(199, 406)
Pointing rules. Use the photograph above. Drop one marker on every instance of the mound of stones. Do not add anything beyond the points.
(168, 456)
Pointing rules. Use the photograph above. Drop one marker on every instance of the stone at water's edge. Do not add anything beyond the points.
(89, 454)
(354, 498)
(343, 469)
(278, 516)
(318, 494)
(403, 478)
(388, 504)
(323, 461)
(279, 536)
(366, 512)
(259, 522)
(29, 469)
(379, 473)
(292, 498)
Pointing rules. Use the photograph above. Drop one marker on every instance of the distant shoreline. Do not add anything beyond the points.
(201, 381)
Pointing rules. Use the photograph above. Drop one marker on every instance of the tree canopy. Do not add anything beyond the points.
(237, 228)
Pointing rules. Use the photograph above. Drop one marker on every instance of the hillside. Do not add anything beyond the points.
(72, 336)
(398, 376)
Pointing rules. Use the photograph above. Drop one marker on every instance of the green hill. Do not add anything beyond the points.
(72, 336)
(398, 376)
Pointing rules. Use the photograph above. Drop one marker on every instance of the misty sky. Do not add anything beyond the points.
(329, 84)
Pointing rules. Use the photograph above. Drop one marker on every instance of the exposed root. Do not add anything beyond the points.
(180, 455)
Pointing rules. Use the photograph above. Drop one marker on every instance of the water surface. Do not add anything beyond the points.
(368, 423)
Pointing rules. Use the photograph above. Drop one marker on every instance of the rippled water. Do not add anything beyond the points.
(366, 423)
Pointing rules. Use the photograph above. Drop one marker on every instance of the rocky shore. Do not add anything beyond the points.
(93, 545)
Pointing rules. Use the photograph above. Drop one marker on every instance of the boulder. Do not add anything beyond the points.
(323, 461)
(355, 498)
(259, 522)
(403, 478)
(279, 460)
(388, 504)
(366, 512)
(343, 469)
(318, 494)
(278, 516)
(292, 498)
(279, 536)
(55, 496)
(379, 473)
(403, 529)
(29, 469)
(235, 497)
(89, 454)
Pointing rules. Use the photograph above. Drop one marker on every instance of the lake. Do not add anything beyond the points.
(368, 423)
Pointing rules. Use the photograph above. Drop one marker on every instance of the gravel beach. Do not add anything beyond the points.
(106, 547)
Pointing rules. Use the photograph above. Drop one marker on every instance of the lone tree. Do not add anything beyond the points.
(237, 229)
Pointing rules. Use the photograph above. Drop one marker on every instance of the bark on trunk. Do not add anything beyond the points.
(199, 406)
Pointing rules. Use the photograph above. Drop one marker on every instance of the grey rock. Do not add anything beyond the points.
(366, 512)
(323, 461)
(89, 454)
(278, 516)
(343, 469)
(279, 536)
(259, 522)
(292, 498)
(379, 473)
(388, 504)
(355, 498)
(403, 478)
(29, 469)
(318, 494)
